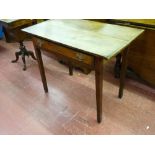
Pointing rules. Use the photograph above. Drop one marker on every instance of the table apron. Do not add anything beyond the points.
(65, 52)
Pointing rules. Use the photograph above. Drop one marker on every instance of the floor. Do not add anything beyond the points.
(69, 107)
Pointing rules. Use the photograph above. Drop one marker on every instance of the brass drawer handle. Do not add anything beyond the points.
(80, 56)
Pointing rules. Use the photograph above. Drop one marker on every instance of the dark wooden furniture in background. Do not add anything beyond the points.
(12, 30)
(93, 41)
(142, 51)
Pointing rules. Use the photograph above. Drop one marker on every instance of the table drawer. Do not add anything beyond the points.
(66, 52)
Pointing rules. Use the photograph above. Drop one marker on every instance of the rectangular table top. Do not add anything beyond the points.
(101, 39)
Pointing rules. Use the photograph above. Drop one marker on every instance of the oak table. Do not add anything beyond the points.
(12, 30)
(86, 42)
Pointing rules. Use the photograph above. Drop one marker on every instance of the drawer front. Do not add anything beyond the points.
(66, 52)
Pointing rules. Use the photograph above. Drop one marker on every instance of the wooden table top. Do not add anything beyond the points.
(8, 21)
(139, 22)
(142, 21)
(101, 39)
(15, 22)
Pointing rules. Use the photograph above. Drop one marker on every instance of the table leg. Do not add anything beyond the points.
(17, 54)
(99, 86)
(123, 72)
(41, 67)
(24, 62)
(117, 67)
(70, 68)
(23, 52)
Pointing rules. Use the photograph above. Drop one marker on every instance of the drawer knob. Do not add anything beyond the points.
(80, 56)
